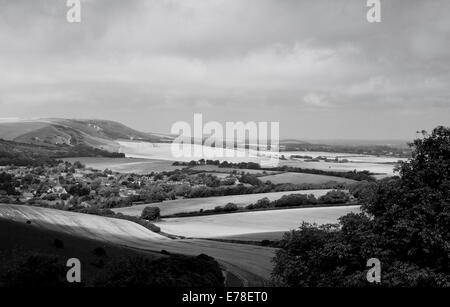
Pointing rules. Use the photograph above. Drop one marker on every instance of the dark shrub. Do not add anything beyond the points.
(180, 271)
(35, 271)
(230, 207)
(58, 243)
(334, 197)
(150, 213)
(99, 251)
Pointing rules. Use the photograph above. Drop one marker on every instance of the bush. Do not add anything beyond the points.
(230, 207)
(293, 200)
(58, 243)
(35, 271)
(150, 213)
(99, 251)
(262, 203)
(171, 271)
(334, 197)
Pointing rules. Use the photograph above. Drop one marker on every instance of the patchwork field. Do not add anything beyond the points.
(162, 151)
(205, 203)
(127, 165)
(252, 264)
(233, 224)
(302, 178)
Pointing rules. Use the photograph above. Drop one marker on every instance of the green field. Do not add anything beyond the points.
(257, 222)
(207, 203)
(303, 178)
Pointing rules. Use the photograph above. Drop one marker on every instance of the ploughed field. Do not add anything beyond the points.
(252, 264)
(256, 222)
(208, 203)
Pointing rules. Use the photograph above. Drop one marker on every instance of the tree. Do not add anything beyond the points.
(150, 213)
(230, 207)
(334, 197)
(78, 165)
(405, 223)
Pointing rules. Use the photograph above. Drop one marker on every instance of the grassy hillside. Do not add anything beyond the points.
(251, 263)
(94, 133)
(34, 256)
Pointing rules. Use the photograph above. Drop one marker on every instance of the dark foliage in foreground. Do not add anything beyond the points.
(405, 224)
(39, 270)
(181, 271)
(35, 271)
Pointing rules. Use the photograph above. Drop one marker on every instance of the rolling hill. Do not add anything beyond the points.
(251, 264)
(91, 132)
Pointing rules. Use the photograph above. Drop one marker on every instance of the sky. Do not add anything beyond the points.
(319, 68)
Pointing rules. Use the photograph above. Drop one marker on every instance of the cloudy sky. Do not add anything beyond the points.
(318, 67)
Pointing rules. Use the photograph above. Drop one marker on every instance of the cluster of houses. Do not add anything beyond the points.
(51, 185)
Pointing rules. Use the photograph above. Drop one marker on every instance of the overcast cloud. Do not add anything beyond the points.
(318, 67)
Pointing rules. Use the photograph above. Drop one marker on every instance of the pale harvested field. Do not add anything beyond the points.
(252, 264)
(302, 178)
(127, 165)
(206, 203)
(233, 224)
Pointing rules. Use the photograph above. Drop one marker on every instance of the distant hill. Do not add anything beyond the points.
(90, 132)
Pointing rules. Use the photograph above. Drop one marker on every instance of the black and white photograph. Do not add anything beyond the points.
(234, 146)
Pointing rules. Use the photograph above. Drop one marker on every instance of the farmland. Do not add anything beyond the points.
(375, 164)
(252, 264)
(235, 224)
(302, 178)
(205, 203)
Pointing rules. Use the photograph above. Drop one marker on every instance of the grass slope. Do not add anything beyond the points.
(18, 238)
(252, 264)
